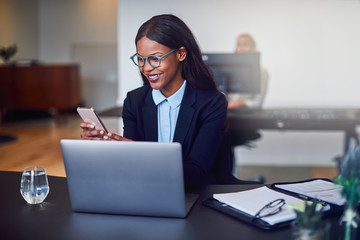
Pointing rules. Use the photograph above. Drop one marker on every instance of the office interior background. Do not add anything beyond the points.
(310, 49)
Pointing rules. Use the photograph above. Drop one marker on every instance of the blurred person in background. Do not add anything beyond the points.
(246, 43)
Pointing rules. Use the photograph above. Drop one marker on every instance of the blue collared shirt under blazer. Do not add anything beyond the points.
(200, 126)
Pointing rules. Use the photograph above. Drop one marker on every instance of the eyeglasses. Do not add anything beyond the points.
(153, 60)
(270, 209)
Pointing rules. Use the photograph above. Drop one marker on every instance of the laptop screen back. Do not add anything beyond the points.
(132, 178)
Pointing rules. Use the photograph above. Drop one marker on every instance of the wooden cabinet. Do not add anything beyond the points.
(40, 87)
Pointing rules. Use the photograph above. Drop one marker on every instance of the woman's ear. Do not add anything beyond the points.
(181, 54)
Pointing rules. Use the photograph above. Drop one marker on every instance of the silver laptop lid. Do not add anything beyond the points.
(133, 178)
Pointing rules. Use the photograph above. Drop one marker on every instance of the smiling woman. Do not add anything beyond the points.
(165, 77)
(179, 101)
(172, 33)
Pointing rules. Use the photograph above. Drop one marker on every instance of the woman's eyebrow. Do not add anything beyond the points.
(152, 53)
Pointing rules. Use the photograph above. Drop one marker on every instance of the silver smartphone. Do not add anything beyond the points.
(90, 115)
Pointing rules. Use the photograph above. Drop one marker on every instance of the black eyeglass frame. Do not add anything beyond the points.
(148, 60)
(277, 205)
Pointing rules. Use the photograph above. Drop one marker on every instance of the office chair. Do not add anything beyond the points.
(223, 166)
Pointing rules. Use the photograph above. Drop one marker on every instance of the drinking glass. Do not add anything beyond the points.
(34, 184)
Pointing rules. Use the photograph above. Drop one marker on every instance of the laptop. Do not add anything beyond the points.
(130, 178)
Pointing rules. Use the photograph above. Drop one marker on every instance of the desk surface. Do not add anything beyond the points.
(54, 219)
(303, 119)
(295, 119)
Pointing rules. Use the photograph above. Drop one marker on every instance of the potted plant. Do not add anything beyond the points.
(6, 53)
(349, 179)
(309, 224)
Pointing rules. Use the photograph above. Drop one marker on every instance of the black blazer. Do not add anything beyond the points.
(199, 129)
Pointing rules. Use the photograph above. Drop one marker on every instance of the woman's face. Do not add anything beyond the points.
(244, 45)
(167, 77)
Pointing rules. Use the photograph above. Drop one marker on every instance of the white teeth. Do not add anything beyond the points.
(154, 76)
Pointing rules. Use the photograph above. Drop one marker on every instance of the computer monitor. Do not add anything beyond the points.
(235, 72)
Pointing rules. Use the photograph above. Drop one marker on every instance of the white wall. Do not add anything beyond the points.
(309, 47)
(98, 74)
(18, 25)
(63, 23)
(84, 31)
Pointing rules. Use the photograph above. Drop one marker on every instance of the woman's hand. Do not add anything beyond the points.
(236, 104)
(90, 133)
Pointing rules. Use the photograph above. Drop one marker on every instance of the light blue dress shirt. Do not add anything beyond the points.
(168, 112)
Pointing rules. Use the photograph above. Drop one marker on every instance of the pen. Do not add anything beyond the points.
(306, 198)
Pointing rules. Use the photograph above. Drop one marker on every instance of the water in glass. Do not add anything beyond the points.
(34, 185)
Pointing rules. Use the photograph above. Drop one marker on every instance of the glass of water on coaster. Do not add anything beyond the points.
(34, 185)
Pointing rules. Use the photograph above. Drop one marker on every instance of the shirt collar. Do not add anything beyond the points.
(174, 100)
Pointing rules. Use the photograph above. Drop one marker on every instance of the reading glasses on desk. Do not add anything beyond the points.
(270, 209)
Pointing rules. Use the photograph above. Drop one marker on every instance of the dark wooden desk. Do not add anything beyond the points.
(40, 87)
(301, 119)
(54, 219)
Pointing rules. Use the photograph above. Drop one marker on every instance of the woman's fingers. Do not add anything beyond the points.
(113, 137)
(90, 133)
(87, 125)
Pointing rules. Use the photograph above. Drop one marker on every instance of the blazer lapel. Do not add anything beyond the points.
(149, 111)
(186, 114)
